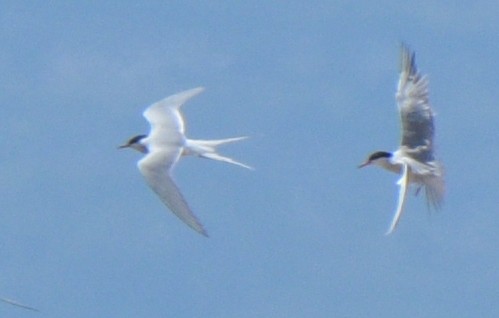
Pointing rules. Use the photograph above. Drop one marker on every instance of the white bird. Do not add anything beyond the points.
(164, 146)
(415, 159)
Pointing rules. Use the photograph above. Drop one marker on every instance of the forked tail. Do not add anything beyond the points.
(208, 149)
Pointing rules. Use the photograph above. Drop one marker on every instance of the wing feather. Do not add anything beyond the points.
(403, 184)
(18, 304)
(167, 123)
(435, 191)
(155, 167)
(415, 112)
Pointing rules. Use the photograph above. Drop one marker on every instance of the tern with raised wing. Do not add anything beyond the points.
(414, 160)
(165, 145)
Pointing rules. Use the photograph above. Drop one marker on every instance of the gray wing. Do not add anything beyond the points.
(415, 111)
(155, 167)
(167, 124)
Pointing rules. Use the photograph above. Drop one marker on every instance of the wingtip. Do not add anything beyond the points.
(198, 89)
(390, 231)
(17, 304)
(197, 226)
(407, 59)
(203, 232)
(393, 226)
(190, 93)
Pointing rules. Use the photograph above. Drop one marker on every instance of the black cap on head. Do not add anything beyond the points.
(375, 156)
(136, 139)
(379, 154)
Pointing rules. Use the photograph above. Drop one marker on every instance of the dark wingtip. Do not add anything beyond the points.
(408, 59)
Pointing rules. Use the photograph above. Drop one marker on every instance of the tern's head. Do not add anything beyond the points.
(380, 158)
(136, 143)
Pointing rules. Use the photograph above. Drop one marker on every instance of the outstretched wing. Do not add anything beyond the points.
(415, 111)
(167, 124)
(155, 167)
(403, 184)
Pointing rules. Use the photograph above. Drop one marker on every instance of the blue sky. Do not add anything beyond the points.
(313, 84)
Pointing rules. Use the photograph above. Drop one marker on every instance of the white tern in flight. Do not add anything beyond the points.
(165, 145)
(414, 159)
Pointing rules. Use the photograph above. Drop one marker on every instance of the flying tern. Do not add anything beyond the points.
(414, 160)
(165, 145)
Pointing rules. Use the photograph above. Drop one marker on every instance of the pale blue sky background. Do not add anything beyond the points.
(313, 83)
